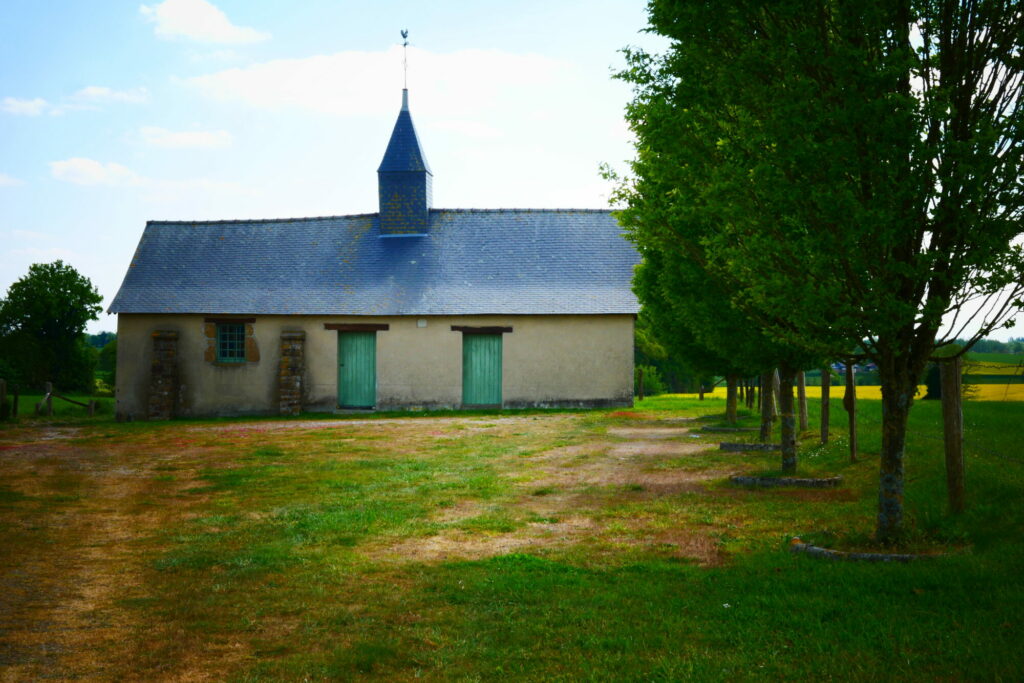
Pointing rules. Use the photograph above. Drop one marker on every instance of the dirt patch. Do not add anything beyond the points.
(71, 554)
(682, 543)
(293, 425)
(648, 432)
(464, 509)
(645, 448)
(567, 483)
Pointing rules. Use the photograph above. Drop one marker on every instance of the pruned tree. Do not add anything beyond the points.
(855, 170)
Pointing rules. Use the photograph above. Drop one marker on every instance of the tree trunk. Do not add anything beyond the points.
(897, 394)
(953, 432)
(640, 383)
(751, 393)
(730, 398)
(786, 377)
(776, 390)
(850, 406)
(801, 396)
(766, 408)
(700, 389)
(826, 385)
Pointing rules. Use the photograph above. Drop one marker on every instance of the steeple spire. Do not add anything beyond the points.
(404, 180)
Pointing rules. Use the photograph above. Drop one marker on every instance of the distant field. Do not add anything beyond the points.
(981, 392)
(1007, 358)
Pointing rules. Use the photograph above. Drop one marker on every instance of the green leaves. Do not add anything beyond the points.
(41, 325)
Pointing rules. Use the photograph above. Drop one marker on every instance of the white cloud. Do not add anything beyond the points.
(90, 172)
(31, 235)
(47, 255)
(202, 139)
(81, 171)
(100, 93)
(34, 107)
(198, 20)
(9, 181)
(368, 83)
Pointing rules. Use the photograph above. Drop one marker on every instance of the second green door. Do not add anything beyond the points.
(481, 369)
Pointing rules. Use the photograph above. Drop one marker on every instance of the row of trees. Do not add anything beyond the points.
(42, 325)
(817, 177)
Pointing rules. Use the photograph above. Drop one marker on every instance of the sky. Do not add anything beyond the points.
(117, 112)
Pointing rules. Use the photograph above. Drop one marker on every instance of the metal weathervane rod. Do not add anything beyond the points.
(405, 58)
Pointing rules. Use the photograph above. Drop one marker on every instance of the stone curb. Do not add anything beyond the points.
(815, 551)
(769, 482)
(741, 447)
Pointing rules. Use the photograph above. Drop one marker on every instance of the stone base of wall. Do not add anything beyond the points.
(563, 404)
(572, 403)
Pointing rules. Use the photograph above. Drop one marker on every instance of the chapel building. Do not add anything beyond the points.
(411, 307)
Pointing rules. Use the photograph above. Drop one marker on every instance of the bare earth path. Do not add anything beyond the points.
(80, 508)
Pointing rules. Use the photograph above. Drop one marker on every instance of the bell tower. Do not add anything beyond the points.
(404, 180)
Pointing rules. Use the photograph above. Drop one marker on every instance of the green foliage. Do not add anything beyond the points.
(42, 320)
(100, 340)
(847, 184)
(653, 383)
(107, 361)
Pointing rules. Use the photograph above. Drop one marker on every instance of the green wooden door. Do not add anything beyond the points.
(357, 369)
(481, 369)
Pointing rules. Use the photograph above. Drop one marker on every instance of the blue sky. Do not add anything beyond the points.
(113, 113)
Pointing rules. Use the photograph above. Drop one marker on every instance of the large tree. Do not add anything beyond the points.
(852, 168)
(42, 321)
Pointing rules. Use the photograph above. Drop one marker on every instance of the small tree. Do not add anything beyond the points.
(42, 324)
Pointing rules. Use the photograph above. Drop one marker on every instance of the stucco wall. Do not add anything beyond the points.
(546, 360)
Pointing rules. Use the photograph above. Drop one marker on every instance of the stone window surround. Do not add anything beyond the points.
(210, 332)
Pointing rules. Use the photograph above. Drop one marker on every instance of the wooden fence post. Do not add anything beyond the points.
(14, 403)
(850, 405)
(4, 412)
(953, 431)
(48, 388)
(826, 385)
(92, 408)
(640, 383)
(801, 397)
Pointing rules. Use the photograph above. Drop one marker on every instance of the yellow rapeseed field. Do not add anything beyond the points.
(979, 392)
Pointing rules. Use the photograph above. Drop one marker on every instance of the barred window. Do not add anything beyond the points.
(230, 343)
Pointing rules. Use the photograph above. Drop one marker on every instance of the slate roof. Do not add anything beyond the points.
(500, 261)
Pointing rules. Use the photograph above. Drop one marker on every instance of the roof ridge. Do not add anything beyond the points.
(259, 220)
(302, 219)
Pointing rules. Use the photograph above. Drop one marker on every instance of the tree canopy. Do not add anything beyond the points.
(851, 171)
(42, 321)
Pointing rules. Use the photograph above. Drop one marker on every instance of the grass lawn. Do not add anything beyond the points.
(595, 545)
